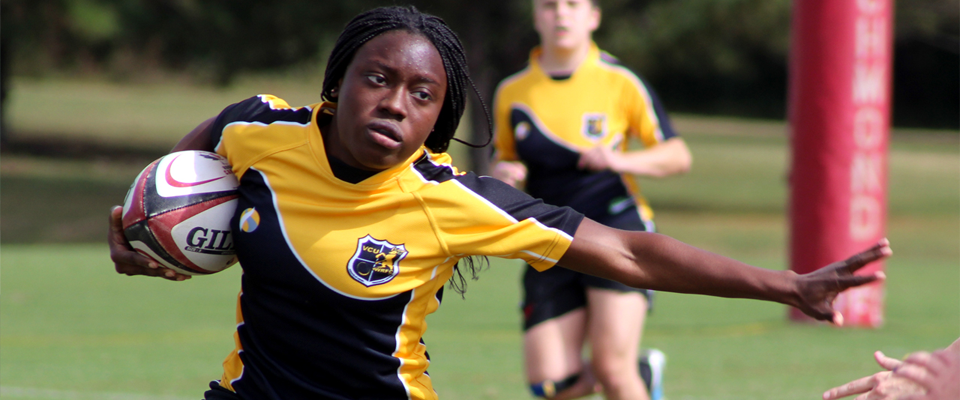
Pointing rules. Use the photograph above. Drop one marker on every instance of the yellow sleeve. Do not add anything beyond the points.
(503, 143)
(245, 132)
(482, 216)
(644, 121)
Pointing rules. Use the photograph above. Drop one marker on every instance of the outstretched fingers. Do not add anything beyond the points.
(888, 363)
(861, 385)
(880, 250)
(930, 366)
(849, 281)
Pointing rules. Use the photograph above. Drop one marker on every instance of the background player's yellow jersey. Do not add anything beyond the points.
(546, 121)
(339, 277)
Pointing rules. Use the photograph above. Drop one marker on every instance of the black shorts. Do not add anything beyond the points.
(557, 291)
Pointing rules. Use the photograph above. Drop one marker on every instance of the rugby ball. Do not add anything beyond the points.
(178, 212)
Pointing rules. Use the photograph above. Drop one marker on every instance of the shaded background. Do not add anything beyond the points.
(702, 56)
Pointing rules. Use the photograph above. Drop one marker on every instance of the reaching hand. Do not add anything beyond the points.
(938, 373)
(818, 289)
(600, 158)
(511, 172)
(874, 387)
(129, 262)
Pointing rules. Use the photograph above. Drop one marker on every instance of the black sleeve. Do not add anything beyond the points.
(232, 113)
(520, 205)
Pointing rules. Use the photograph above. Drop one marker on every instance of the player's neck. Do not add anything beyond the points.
(556, 60)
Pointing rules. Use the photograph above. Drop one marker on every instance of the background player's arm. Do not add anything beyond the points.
(513, 173)
(654, 261)
(667, 158)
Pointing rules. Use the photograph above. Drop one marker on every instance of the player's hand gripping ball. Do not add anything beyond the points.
(178, 212)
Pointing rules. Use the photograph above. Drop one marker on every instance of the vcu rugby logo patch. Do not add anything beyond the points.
(594, 125)
(376, 261)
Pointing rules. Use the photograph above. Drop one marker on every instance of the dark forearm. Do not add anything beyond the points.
(654, 261)
(198, 139)
(671, 265)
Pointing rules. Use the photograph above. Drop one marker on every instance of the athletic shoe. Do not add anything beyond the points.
(652, 363)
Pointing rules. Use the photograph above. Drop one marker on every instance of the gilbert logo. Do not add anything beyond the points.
(376, 261)
(209, 241)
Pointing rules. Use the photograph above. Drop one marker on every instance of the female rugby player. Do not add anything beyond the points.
(362, 220)
(563, 125)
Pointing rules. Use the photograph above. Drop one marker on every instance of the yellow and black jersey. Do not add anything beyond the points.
(546, 121)
(338, 277)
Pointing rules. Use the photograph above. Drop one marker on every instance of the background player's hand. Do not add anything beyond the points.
(817, 290)
(874, 387)
(512, 173)
(129, 262)
(600, 158)
(937, 373)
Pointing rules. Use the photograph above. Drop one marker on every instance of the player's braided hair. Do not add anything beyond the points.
(370, 24)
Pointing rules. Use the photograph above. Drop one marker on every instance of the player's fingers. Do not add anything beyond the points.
(122, 256)
(949, 359)
(922, 376)
(582, 162)
(161, 272)
(880, 250)
(115, 234)
(821, 310)
(849, 281)
(174, 276)
(586, 159)
(858, 386)
(887, 363)
(125, 259)
(926, 360)
(916, 396)
(116, 217)
(521, 168)
(133, 269)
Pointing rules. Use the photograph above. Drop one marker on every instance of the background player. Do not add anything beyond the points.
(366, 169)
(562, 126)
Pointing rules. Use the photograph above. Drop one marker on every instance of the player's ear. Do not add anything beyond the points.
(335, 91)
(595, 16)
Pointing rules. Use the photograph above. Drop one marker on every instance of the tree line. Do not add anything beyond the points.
(702, 56)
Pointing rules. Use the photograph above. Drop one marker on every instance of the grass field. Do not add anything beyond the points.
(70, 328)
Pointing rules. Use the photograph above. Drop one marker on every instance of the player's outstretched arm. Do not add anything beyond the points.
(668, 158)
(654, 261)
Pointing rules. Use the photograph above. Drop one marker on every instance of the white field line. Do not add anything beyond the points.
(8, 392)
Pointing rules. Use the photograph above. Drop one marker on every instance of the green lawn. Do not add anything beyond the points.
(71, 324)
(71, 328)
